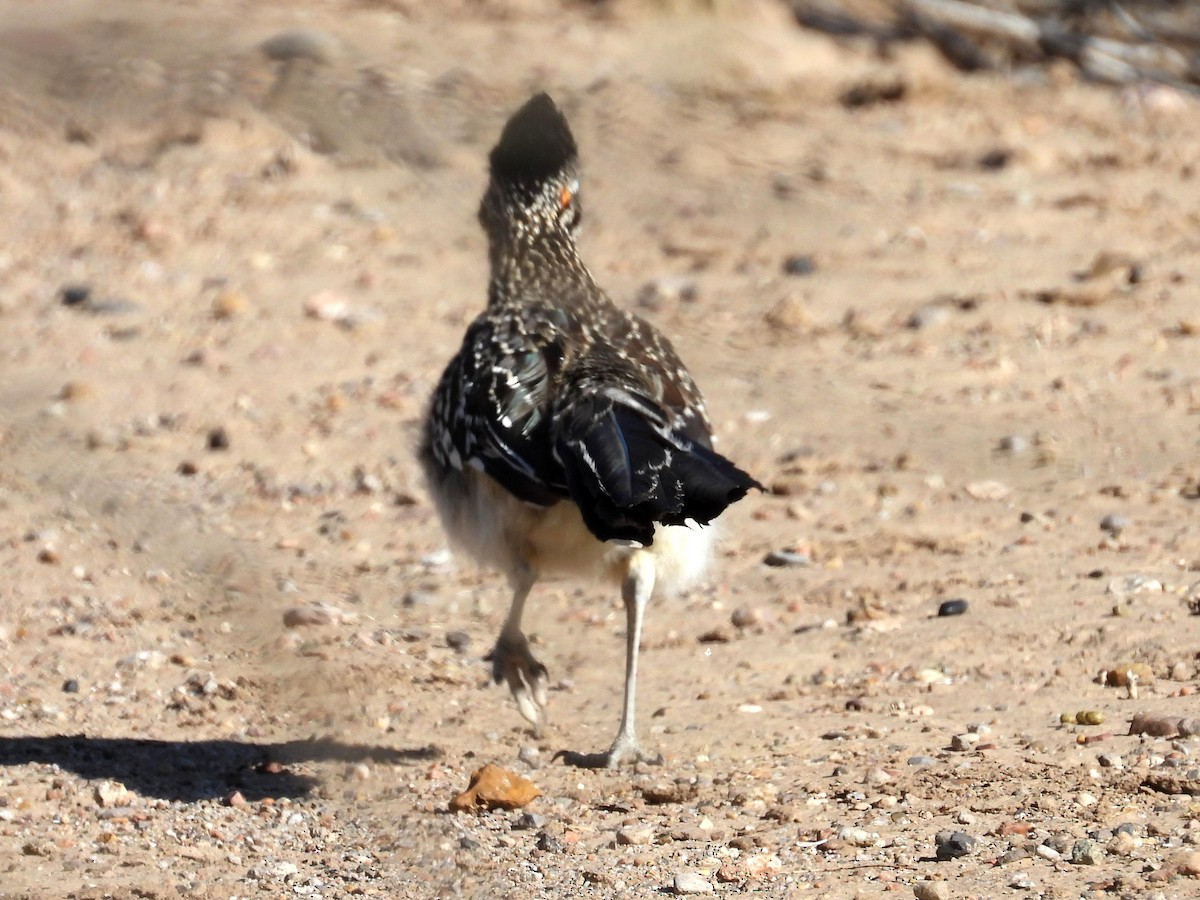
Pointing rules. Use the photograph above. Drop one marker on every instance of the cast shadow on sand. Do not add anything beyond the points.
(197, 770)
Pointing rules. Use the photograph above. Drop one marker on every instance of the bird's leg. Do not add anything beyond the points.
(635, 591)
(512, 662)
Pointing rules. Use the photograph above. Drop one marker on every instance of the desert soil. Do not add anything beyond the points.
(951, 322)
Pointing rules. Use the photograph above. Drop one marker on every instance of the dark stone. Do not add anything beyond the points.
(799, 264)
(529, 821)
(995, 160)
(218, 439)
(75, 294)
(549, 844)
(953, 844)
(952, 608)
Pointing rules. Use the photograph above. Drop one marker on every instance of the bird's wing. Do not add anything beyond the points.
(507, 378)
(629, 464)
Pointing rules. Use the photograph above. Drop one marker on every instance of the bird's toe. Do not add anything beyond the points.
(526, 677)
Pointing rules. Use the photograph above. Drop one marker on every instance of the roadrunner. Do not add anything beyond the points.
(566, 437)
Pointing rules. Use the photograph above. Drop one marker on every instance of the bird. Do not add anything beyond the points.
(566, 437)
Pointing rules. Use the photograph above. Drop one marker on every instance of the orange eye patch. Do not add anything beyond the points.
(564, 197)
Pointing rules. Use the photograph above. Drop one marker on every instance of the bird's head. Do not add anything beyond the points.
(534, 186)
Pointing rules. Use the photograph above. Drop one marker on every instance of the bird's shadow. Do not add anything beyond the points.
(189, 771)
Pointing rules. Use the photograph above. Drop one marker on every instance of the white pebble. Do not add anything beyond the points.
(691, 883)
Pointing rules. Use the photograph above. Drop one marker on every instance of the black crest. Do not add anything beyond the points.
(536, 144)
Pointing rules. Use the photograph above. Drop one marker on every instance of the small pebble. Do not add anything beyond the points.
(927, 317)
(1013, 443)
(1187, 863)
(530, 755)
(529, 821)
(637, 836)
(786, 559)
(458, 640)
(963, 742)
(858, 837)
(952, 608)
(74, 391)
(931, 890)
(1045, 851)
(327, 306)
(953, 844)
(746, 616)
(1114, 524)
(217, 439)
(547, 843)
(1022, 881)
(663, 291)
(229, 305)
(1086, 853)
(995, 159)
(301, 43)
(799, 264)
(75, 294)
(691, 883)
(70, 686)
(1122, 844)
(921, 761)
(1060, 842)
(789, 314)
(112, 793)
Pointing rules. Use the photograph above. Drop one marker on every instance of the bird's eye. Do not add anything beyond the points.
(564, 197)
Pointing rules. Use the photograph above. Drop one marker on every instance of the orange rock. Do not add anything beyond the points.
(1120, 676)
(495, 788)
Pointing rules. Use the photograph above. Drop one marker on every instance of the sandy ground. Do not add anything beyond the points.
(956, 331)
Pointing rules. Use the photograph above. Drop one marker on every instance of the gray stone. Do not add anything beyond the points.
(953, 844)
(690, 883)
(1086, 853)
(1114, 523)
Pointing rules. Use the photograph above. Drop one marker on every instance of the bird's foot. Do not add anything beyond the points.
(623, 751)
(527, 678)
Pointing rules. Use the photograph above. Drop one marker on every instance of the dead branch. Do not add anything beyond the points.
(962, 30)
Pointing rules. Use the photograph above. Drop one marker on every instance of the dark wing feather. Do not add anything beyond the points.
(493, 407)
(627, 470)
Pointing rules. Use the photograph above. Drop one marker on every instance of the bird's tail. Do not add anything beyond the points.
(628, 472)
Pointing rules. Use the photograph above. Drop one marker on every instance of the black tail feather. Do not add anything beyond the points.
(626, 475)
